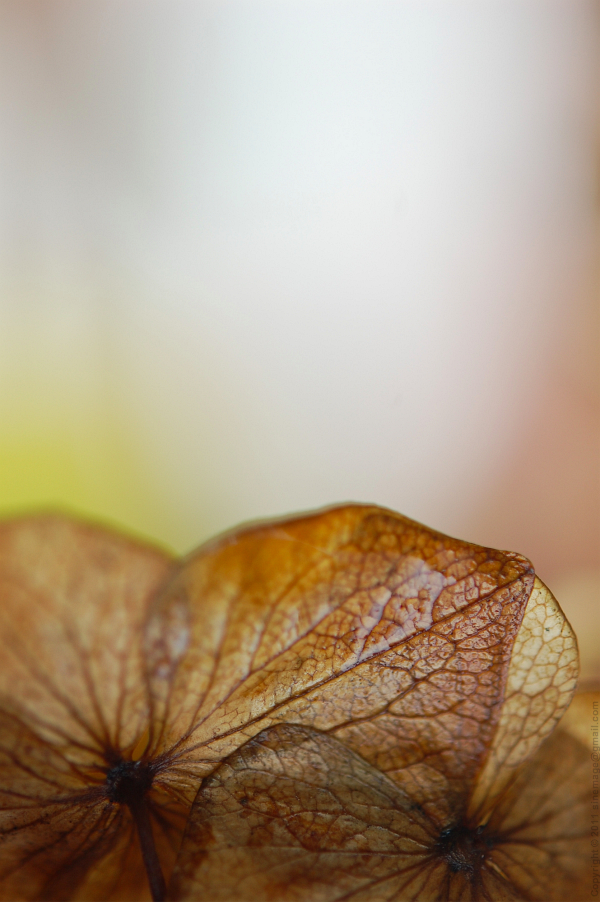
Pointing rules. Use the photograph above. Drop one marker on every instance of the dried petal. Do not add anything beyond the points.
(73, 699)
(355, 620)
(294, 815)
(118, 694)
(541, 680)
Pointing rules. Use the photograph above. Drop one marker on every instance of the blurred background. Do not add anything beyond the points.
(260, 257)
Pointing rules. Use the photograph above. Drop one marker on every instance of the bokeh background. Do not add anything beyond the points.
(260, 257)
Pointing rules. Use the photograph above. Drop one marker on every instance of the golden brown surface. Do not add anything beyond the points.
(357, 621)
(72, 700)
(393, 639)
(295, 815)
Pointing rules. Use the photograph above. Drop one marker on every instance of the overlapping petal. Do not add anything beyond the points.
(354, 622)
(73, 700)
(295, 816)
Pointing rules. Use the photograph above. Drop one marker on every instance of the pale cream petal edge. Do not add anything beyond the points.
(541, 680)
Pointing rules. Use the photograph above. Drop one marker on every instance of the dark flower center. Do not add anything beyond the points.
(128, 782)
(463, 848)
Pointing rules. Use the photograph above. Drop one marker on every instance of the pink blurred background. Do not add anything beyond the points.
(260, 257)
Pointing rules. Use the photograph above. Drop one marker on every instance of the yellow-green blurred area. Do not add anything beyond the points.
(88, 469)
(65, 441)
(261, 257)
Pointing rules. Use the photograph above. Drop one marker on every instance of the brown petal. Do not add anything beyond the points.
(549, 817)
(294, 815)
(72, 698)
(354, 620)
(541, 679)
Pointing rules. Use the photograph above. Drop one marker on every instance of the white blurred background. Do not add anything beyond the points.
(259, 257)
